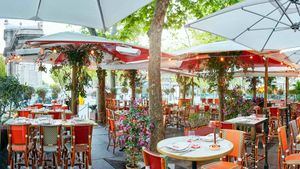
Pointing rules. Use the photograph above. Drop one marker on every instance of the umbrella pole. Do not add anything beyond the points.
(266, 83)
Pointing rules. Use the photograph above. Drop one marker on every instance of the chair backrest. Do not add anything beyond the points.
(111, 125)
(200, 131)
(274, 111)
(298, 123)
(55, 114)
(217, 101)
(56, 106)
(283, 143)
(225, 125)
(294, 131)
(68, 116)
(237, 138)
(19, 134)
(203, 100)
(24, 113)
(50, 135)
(38, 105)
(210, 101)
(257, 110)
(153, 160)
(82, 134)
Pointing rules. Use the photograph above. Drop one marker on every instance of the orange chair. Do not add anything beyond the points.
(294, 131)
(274, 121)
(206, 108)
(24, 113)
(81, 142)
(285, 157)
(237, 154)
(113, 135)
(154, 160)
(19, 142)
(55, 114)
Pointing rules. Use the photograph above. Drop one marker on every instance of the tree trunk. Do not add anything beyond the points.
(101, 95)
(113, 82)
(221, 94)
(193, 92)
(74, 92)
(101, 88)
(132, 75)
(254, 83)
(155, 95)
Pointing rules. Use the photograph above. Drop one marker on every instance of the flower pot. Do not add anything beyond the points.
(129, 167)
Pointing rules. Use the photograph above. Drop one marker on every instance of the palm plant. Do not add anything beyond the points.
(296, 90)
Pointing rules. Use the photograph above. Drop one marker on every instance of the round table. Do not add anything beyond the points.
(201, 154)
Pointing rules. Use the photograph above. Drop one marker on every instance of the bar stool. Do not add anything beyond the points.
(274, 120)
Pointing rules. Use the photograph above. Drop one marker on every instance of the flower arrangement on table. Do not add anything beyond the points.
(236, 104)
(136, 128)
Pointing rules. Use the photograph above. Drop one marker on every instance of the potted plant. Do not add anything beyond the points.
(137, 134)
(196, 120)
(41, 92)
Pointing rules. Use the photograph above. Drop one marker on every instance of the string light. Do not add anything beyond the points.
(54, 50)
(281, 63)
(170, 59)
(92, 52)
(251, 57)
(222, 59)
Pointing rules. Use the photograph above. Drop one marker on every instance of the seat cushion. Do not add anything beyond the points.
(50, 149)
(221, 165)
(293, 159)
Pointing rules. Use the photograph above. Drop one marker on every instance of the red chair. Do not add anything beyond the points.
(24, 113)
(203, 100)
(56, 106)
(55, 114)
(19, 143)
(38, 105)
(200, 131)
(225, 125)
(210, 101)
(81, 142)
(154, 160)
(206, 108)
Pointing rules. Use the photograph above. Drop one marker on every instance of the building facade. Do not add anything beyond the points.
(15, 37)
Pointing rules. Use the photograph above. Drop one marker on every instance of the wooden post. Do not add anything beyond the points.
(266, 83)
(286, 90)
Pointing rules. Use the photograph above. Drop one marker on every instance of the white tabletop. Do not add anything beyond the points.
(200, 154)
(247, 120)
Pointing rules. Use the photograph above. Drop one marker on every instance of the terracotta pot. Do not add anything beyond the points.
(129, 167)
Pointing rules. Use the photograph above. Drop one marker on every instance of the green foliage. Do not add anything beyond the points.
(2, 66)
(197, 120)
(41, 92)
(178, 13)
(28, 92)
(61, 75)
(296, 90)
(55, 90)
(236, 104)
(185, 82)
(12, 93)
(127, 77)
